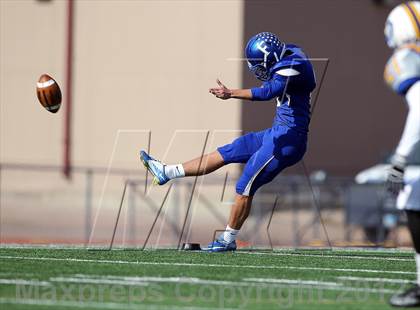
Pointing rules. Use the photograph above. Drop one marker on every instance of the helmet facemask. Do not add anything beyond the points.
(259, 70)
(388, 31)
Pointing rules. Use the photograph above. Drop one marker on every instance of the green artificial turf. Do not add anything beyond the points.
(53, 278)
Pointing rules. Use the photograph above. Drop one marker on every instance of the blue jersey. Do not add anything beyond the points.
(291, 83)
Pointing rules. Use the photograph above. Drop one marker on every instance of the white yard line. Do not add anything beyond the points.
(24, 282)
(349, 249)
(96, 281)
(338, 256)
(189, 280)
(144, 281)
(43, 246)
(17, 273)
(101, 261)
(291, 281)
(332, 287)
(137, 280)
(97, 305)
(383, 280)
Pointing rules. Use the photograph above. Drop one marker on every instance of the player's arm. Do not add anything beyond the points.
(411, 134)
(267, 91)
(245, 94)
(409, 140)
(222, 92)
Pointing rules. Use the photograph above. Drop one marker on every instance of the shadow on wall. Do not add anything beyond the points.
(357, 119)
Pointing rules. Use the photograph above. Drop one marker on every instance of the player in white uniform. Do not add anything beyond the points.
(402, 74)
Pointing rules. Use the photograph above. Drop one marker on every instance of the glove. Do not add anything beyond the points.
(395, 179)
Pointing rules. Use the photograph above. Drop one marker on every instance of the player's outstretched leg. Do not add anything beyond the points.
(162, 173)
(238, 214)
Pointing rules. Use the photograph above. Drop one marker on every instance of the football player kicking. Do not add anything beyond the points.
(402, 73)
(288, 76)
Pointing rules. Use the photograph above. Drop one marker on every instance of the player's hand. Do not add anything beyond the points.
(395, 179)
(221, 92)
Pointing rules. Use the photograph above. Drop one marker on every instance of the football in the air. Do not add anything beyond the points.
(49, 93)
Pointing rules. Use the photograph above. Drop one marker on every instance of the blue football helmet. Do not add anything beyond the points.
(263, 51)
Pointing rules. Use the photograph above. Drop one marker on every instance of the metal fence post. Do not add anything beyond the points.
(132, 212)
(88, 204)
(315, 216)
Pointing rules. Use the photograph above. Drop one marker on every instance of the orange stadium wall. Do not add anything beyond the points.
(138, 65)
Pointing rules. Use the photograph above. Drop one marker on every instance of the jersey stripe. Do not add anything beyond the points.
(395, 65)
(413, 19)
(412, 46)
(248, 186)
(415, 12)
(389, 78)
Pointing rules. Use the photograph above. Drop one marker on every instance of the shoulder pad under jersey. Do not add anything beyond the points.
(403, 68)
(290, 65)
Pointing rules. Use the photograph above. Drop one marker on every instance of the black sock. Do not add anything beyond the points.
(413, 219)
